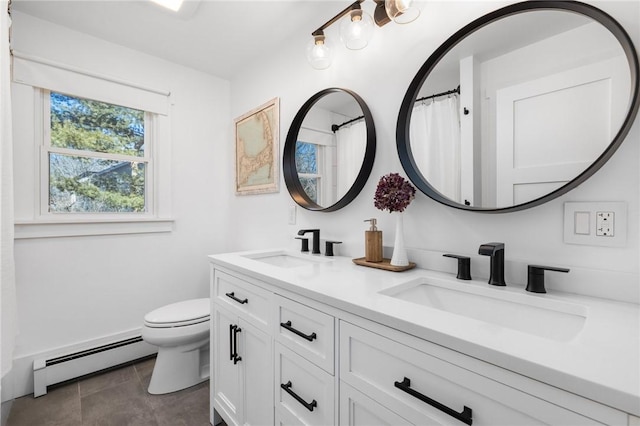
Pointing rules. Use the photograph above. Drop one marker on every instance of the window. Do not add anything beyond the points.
(97, 161)
(96, 156)
(307, 159)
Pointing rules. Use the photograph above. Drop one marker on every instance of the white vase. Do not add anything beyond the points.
(399, 257)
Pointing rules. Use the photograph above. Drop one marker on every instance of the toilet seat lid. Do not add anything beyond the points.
(181, 313)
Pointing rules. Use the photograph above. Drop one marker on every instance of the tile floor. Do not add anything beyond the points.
(118, 398)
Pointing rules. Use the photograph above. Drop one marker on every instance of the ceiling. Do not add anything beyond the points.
(219, 37)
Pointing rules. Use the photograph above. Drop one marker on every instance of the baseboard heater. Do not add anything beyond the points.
(47, 372)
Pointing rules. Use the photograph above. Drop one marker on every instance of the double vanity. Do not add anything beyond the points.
(303, 339)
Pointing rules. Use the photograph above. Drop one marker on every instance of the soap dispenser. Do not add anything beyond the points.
(373, 243)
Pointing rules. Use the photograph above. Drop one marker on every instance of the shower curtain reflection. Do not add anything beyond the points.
(435, 143)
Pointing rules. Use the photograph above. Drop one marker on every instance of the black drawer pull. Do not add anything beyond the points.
(465, 416)
(236, 357)
(308, 406)
(233, 296)
(309, 337)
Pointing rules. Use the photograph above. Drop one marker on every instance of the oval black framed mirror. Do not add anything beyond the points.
(519, 107)
(329, 150)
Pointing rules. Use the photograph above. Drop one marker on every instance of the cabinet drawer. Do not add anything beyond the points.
(357, 409)
(247, 300)
(306, 331)
(303, 390)
(404, 379)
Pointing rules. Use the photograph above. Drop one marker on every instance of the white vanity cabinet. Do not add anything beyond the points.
(242, 351)
(289, 359)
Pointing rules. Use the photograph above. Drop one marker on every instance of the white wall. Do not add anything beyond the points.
(381, 74)
(78, 289)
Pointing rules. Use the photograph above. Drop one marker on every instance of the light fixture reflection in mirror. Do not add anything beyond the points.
(329, 150)
(545, 98)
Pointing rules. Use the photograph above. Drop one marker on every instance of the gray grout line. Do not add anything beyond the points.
(79, 401)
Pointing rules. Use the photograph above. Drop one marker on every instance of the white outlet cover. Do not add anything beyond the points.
(580, 209)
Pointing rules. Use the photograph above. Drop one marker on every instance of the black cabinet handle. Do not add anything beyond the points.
(233, 296)
(236, 358)
(464, 417)
(307, 405)
(288, 326)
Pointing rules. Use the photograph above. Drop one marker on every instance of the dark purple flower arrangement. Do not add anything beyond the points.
(393, 193)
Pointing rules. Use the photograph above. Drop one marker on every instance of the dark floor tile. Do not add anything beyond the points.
(59, 407)
(188, 407)
(106, 380)
(125, 404)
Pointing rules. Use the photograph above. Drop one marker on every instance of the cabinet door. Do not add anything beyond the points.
(226, 374)
(357, 409)
(256, 351)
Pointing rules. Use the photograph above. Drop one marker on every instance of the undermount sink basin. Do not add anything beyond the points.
(532, 314)
(285, 259)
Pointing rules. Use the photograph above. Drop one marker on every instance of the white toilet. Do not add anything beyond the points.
(181, 332)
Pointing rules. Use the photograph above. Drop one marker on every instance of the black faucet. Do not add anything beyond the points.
(464, 266)
(535, 279)
(496, 251)
(328, 247)
(316, 239)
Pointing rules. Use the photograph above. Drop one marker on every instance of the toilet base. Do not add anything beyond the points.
(180, 367)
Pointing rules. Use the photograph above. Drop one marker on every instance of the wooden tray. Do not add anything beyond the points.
(385, 264)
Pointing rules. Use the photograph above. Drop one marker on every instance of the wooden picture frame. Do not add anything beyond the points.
(257, 135)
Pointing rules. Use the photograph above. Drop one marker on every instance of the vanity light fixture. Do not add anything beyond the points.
(320, 51)
(356, 27)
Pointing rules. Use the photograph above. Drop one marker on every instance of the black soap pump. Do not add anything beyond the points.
(373, 243)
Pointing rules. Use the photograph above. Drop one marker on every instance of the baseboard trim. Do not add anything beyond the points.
(22, 373)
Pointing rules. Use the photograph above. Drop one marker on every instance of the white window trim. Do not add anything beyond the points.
(44, 224)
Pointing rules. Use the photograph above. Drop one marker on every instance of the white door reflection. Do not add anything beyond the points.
(542, 95)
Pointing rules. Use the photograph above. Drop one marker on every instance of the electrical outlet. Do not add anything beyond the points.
(596, 223)
(605, 224)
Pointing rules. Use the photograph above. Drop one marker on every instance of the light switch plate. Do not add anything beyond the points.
(292, 215)
(596, 223)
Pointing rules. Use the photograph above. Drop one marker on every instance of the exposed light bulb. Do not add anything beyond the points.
(356, 29)
(319, 52)
(401, 11)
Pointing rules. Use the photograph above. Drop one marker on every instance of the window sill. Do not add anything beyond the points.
(53, 229)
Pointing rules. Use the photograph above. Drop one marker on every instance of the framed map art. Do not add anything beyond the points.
(257, 149)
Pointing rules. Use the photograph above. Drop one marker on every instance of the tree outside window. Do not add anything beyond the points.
(307, 167)
(97, 157)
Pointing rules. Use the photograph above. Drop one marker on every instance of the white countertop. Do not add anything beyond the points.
(601, 363)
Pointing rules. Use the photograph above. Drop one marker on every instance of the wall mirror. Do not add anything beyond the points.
(329, 150)
(519, 107)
